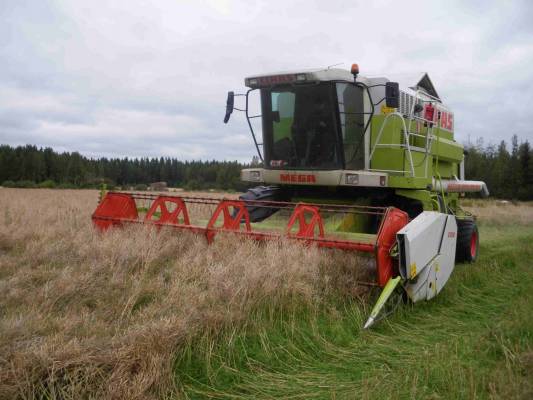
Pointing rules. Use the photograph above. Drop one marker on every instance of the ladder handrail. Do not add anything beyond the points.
(430, 124)
(408, 132)
(406, 136)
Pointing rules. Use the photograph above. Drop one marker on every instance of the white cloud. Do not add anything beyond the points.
(143, 78)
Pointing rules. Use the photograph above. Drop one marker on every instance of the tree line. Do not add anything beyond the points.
(507, 169)
(30, 166)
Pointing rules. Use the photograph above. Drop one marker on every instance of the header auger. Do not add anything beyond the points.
(349, 163)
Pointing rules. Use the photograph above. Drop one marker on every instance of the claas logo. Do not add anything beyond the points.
(297, 178)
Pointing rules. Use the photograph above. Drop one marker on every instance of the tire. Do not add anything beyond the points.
(262, 193)
(467, 247)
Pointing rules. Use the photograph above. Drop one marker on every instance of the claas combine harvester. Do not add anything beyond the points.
(349, 163)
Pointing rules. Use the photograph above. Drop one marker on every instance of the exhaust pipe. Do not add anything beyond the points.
(460, 186)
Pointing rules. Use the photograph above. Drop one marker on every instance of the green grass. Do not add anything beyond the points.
(474, 341)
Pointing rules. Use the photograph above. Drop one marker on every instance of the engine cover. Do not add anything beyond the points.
(427, 254)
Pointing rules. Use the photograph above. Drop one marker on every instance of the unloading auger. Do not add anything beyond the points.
(347, 162)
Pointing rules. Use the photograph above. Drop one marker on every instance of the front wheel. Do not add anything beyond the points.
(467, 247)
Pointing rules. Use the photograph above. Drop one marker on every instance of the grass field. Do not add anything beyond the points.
(139, 314)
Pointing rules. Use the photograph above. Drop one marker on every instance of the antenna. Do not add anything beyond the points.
(335, 65)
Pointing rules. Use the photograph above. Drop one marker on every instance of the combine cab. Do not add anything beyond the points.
(348, 162)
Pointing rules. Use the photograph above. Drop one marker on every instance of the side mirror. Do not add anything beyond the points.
(229, 106)
(392, 94)
(275, 116)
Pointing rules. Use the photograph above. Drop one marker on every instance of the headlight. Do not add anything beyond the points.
(352, 179)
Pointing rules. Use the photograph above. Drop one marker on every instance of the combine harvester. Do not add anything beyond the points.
(348, 163)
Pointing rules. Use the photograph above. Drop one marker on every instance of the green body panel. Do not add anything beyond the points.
(388, 159)
(442, 133)
(447, 150)
(419, 163)
(392, 133)
(445, 169)
(406, 182)
(429, 199)
(441, 162)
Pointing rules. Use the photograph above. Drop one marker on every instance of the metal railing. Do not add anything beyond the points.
(407, 134)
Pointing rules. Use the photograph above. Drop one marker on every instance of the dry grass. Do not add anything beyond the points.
(89, 315)
(86, 315)
(501, 212)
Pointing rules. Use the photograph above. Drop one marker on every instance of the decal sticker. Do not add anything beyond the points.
(297, 178)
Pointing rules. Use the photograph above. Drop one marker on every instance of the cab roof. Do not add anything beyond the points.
(414, 81)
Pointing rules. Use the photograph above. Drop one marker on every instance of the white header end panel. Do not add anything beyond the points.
(427, 254)
(421, 238)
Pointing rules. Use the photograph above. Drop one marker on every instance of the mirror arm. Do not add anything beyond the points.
(230, 105)
(379, 102)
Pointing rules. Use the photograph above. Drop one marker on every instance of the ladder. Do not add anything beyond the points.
(408, 135)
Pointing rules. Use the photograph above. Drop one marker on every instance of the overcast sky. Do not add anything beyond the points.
(149, 78)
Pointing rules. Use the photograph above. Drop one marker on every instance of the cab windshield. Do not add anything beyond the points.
(317, 126)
